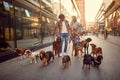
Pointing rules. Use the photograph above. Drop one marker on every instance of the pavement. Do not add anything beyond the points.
(17, 69)
(111, 39)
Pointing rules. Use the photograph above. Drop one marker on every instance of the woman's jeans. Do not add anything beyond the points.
(64, 37)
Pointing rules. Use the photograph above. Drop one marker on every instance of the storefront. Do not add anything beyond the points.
(23, 25)
(112, 20)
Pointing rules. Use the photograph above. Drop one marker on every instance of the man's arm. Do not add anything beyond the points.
(56, 28)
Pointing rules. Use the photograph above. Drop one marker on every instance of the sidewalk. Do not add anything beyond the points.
(47, 48)
(36, 49)
(112, 39)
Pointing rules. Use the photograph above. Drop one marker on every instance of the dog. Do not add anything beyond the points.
(66, 61)
(79, 47)
(56, 46)
(45, 57)
(98, 60)
(21, 52)
(31, 56)
(96, 50)
(87, 61)
(83, 44)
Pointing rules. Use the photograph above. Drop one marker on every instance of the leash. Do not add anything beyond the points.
(69, 47)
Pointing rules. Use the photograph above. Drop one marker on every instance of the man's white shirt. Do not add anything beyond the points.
(64, 27)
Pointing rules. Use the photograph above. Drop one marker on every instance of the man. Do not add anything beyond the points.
(64, 30)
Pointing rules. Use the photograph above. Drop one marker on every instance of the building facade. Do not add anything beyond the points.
(67, 7)
(81, 7)
(110, 16)
(26, 23)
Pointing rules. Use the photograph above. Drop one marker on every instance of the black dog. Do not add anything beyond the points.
(98, 61)
(87, 60)
(66, 61)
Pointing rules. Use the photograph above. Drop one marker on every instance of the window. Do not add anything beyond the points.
(27, 13)
(43, 18)
(6, 6)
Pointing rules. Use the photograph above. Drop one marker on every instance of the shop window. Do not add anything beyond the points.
(8, 33)
(18, 34)
(43, 18)
(27, 13)
(48, 20)
(6, 5)
(118, 17)
(118, 11)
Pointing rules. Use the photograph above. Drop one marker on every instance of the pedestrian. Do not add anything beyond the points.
(64, 29)
(105, 34)
(74, 24)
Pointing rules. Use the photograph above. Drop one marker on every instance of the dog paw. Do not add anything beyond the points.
(52, 60)
(46, 64)
(82, 67)
(88, 67)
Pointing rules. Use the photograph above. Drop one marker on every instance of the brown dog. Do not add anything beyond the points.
(66, 61)
(45, 57)
(96, 50)
(83, 44)
(56, 46)
(79, 47)
(21, 52)
(74, 37)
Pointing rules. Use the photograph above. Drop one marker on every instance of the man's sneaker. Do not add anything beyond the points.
(64, 53)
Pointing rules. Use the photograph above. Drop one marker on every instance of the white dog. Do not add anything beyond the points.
(31, 56)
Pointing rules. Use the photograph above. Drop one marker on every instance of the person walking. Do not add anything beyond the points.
(64, 29)
(74, 24)
(105, 34)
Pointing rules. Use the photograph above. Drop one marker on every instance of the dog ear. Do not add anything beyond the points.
(42, 52)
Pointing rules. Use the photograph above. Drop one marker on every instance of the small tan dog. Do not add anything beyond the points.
(21, 52)
(31, 56)
(96, 50)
